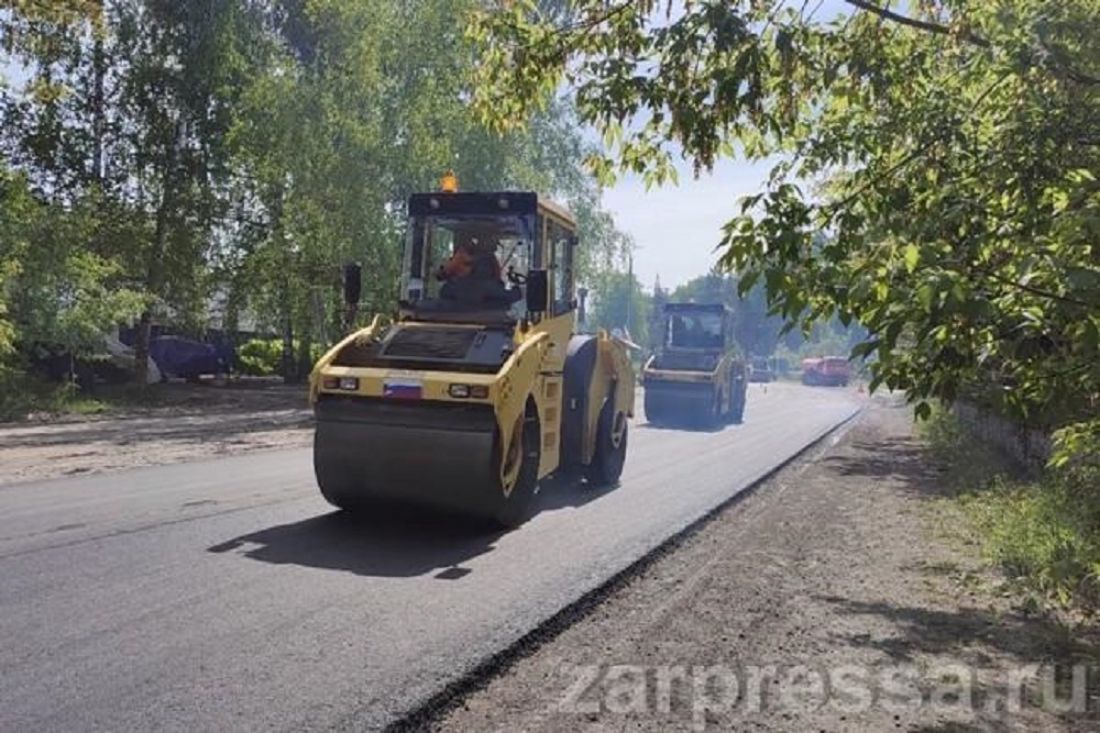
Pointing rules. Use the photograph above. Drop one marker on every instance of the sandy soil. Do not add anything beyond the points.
(187, 422)
(838, 574)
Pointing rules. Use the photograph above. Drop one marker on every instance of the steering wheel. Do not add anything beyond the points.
(516, 278)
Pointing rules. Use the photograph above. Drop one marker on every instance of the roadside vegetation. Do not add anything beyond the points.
(948, 150)
(1042, 531)
(208, 164)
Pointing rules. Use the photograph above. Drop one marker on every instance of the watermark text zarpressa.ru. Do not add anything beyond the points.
(703, 691)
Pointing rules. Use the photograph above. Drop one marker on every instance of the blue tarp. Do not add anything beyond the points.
(180, 357)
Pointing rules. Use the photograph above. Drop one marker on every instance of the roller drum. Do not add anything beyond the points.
(680, 403)
(439, 456)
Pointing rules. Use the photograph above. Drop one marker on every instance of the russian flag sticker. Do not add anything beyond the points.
(403, 389)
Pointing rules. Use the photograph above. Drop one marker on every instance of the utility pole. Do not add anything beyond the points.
(629, 292)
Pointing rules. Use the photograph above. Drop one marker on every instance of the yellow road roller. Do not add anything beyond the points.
(695, 377)
(479, 388)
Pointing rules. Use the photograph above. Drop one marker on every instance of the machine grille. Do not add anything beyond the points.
(431, 343)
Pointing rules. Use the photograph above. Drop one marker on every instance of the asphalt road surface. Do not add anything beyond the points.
(226, 594)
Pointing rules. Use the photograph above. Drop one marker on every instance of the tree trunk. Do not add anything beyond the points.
(154, 280)
(141, 347)
(305, 346)
(287, 366)
(99, 112)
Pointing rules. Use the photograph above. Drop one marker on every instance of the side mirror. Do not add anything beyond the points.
(353, 283)
(538, 291)
(582, 305)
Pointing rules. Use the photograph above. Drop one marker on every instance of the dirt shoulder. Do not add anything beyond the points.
(832, 598)
(183, 422)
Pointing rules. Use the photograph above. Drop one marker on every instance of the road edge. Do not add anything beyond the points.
(481, 674)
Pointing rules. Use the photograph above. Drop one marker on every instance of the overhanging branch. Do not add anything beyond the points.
(923, 25)
(969, 36)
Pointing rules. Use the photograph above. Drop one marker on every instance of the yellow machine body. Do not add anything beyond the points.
(695, 378)
(442, 424)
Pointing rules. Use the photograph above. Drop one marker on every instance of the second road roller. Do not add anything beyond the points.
(695, 378)
(480, 387)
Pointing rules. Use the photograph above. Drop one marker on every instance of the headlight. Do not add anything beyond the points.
(466, 391)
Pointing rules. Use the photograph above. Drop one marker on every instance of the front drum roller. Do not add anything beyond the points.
(368, 454)
(681, 404)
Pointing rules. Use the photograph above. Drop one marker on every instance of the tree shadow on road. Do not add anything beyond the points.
(394, 543)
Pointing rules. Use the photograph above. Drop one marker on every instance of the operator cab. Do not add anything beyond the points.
(469, 256)
(692, 326)
(695, 336)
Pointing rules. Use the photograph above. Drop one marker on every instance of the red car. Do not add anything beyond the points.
(831, 371)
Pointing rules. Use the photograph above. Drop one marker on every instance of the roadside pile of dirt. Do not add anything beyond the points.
(827, 600)
(183, 422)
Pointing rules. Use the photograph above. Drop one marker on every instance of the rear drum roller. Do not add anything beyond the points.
(515, 508)
(711, 418)
(610, 456)
(736, 413)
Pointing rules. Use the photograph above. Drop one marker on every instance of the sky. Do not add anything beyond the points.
(676, 228)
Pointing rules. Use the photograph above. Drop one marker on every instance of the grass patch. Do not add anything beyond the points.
(1044, 533)
(23, 396)
(972, 465)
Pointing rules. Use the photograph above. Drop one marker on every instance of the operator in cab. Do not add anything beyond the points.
(471, 257)
(472, 275)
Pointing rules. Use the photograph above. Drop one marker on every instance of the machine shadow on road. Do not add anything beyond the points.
(393, 543)
(567, 493)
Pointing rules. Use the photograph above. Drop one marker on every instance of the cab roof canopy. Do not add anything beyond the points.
(486, 203)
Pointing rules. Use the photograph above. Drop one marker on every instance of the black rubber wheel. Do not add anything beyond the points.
(713, 417)
(737, 401)
(737, 409)
(611, 438)
(516, 508)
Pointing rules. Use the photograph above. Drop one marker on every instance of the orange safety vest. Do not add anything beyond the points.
(461, 265)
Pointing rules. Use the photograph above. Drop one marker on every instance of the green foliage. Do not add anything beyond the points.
(1045, 533)
(1077, 446)
(54, 289)
(618, 302)
(756, 330)
(263, 357)
(23, 395)
(953, 156)
(260, 357)
(161, 156)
